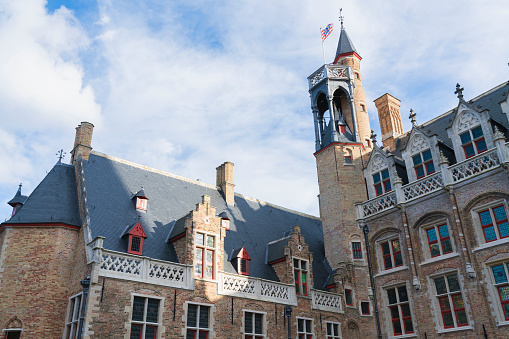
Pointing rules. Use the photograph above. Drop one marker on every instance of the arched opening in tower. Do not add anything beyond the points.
(342, 109)
(323, 114)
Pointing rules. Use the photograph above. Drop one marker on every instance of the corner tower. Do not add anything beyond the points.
(342, 141)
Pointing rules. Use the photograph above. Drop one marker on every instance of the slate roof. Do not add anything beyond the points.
(345, 45)
(489, 100)
(111, 182)
(54, 200)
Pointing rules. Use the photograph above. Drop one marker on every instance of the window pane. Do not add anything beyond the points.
(138, 308)
(454, 284)
(209, 257)
(397, 327)
(461, 318)
(191, 334)
(448, 322)
(378, 189)
(432, 235)
(504, 229)
(203, 335)
(376, 178)
(419, 171)
(426, 155)
(490, 234)
(506, 311)
(465, 138)
(199, 254)
(435, 250)
(210, 241)
(477, 132)
(152, 310)
(308, 326)
(303, 265)
(481, 145)
(150, 332)
(444, 304)
(72, 310)
(258, 323)
(416, 159)
(398, 259)
(329, 329)
(394, 312)
(405, 310)
(387, 186)
(485, 218)
(336, 329)
(135, 244)
(391, 295)
(300, 325)
(499, 274)
(499, 213)
(388, 262)
(385, 248)
(365, 307)
(248, 322)
(504, 293)
(204, 316)
(192, 315)
(440, 285)
(199, 238)
(469, 150)
(395, 246)
(243, 265)
(403, 296)
(348, 297)
(409, 327)
(446, 244)
(348, 160)
(385, 174)
(444, 232)
(295, 263)
(135, 331)
(430, 168)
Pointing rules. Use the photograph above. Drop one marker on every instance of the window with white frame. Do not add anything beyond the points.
(399, 309)
(391, 254)
(204, 256)
(493, 220)
(300, 271)
(305, 328)
(145, 319)
(439, 239)
(198, 321)
(365, 308)
(333, 330)
(254, 325)
(473, 142)
(501, 283)
(382, 182)
(12, 333)
(73, 316)
(348, 297)
(450, 301)
(423, 164)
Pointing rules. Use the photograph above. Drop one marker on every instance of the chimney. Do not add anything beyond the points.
(390, 120)
(224, 180)
(82, 141)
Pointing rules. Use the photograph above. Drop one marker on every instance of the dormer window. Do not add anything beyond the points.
(473, 142)
(141, 204)
(240, 261)
(382, 182)
(135, 241)
(225, 221)
(342, 129)
(423, 164)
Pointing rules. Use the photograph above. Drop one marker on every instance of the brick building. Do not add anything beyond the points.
(412, 239)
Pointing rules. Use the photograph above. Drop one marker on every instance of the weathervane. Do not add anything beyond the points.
(373, 137)
(341, 17)
(459, 91)
(61, 154)
(412, 117)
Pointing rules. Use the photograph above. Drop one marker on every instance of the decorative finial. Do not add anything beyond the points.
(61, 154)
(373, 137)
(497, 134)
(442, 159)
(341, 17)
(412, 117)
(459, 91)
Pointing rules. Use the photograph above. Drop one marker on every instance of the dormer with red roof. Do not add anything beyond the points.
(240, 261)
(136, 235)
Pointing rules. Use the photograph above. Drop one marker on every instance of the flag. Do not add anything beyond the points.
(326, 31)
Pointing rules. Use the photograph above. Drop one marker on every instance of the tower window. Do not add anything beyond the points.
(356, 75)
(382, 182)
(473, 137)
(363, 108)
(342, 129)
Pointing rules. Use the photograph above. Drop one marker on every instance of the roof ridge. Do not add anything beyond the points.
(151, 169)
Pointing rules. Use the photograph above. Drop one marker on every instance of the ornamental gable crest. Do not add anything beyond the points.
(378, 163)
(466, 120)
(419, 144)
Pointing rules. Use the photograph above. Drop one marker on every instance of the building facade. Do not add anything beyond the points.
(412, 239)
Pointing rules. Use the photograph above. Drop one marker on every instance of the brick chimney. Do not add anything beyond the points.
(390, 119)
(224, 180)
(82, 141)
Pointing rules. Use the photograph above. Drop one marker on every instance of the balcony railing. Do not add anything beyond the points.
(330, 72)
(447, 176)
(256, 288)
(326, 301)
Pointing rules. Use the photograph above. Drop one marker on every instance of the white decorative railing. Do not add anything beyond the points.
(423, 186)
(256, 288)
(378, 204)
(325, 301)
(328, 71)
(131, 267)
(475, 165)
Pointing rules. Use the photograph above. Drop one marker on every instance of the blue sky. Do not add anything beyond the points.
(183, 86)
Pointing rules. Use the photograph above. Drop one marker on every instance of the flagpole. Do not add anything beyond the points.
(323, 50)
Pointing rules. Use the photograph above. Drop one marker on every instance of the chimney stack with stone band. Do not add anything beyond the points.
(83, 141)
(224, 180)
(390, 120)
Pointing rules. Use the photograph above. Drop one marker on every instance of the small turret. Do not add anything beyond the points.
(18, 201)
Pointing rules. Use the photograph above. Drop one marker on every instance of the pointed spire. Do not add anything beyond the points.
(345, 45)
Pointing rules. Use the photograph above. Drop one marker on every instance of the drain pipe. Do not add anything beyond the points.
(85, 283)
(366, 231)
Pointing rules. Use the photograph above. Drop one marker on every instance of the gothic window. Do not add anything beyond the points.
(399, 310)
(305, 328)
(391, 253)
(73, 316)
(494, 222)
(333, 330)
(439, 240)
(356, 250)
(450, 301)
(204, 256)
(473, 142)
(382, 182)
(423, 164)
(145, 319)
(198, 321)
(501, 284)
(300, 271)
(254, 325)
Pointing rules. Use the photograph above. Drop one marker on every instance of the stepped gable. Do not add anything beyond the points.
(111, 182)
(54, 200)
